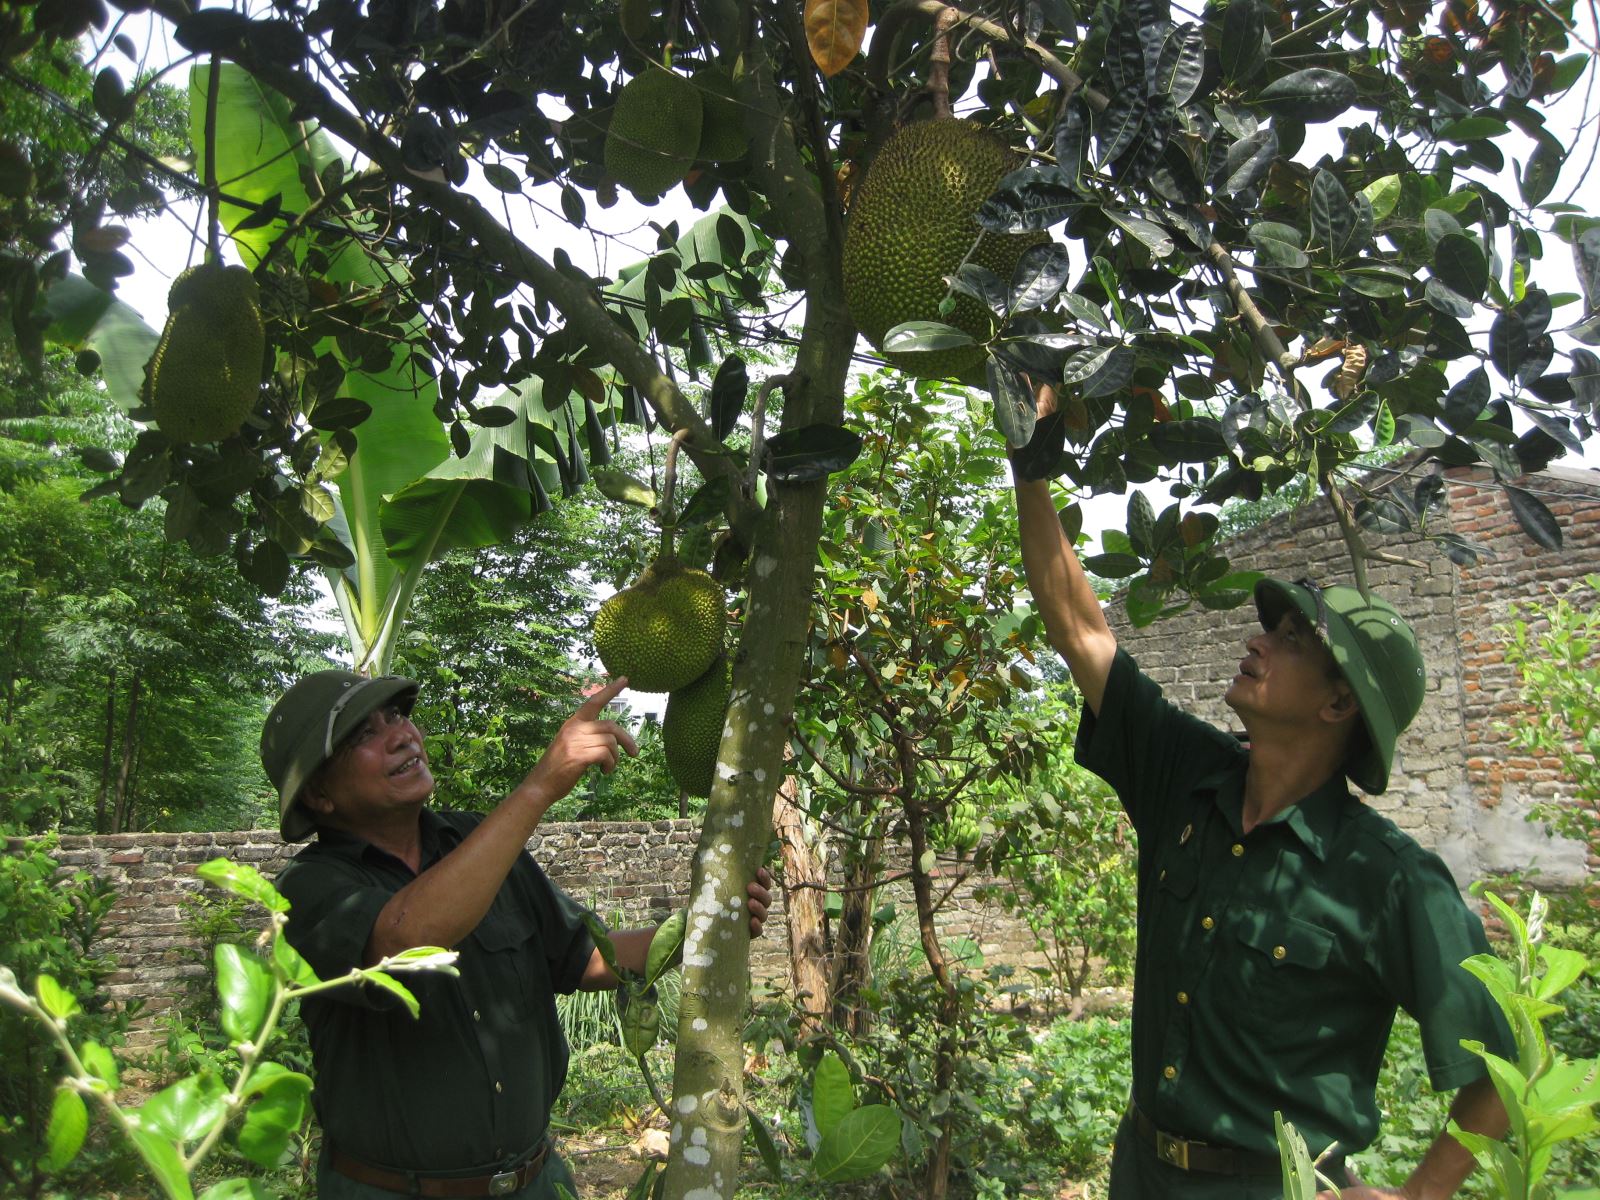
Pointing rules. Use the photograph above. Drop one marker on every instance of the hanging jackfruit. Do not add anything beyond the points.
(203, 380)
(911, 225)
(654, 132)
(665, 630)
(722, 135)
(691, 731)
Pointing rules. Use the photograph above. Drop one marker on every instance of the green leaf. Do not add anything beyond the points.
(833, 1096)
(601, 936)
(55, 999)
(69, 1122)
(101, 1063)
(273, 1117)
(1471, 129)
(1460, 264)
(392, 985)
(244, 881)
(1537, 521)
(858, 1145)
(623, 488)
(1278, 245)
(1312, 95)
(728, 392)
(1198, 439)
(295, 969)
(501, 178)
(244, 986)
(161, 1157)
(83, 317)
(666, 947)
(1015, 413)
(810, 453)
(1244, 45)
(1113, 565)
(236, 1189)
(1333, 217)
(1383, 194)
(1141, 524)
(921, 337)
(765, 1146)
(185, 1111)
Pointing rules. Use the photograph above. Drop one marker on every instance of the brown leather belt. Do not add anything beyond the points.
(410, 1183)
(1188, 1155)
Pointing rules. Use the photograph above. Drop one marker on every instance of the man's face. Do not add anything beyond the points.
(1288, 675)
(380, 770)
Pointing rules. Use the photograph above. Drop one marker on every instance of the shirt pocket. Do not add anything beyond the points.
(1279, 966)
(506, 976)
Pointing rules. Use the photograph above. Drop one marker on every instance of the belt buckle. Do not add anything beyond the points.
(503, 1184)
(1172, 1151)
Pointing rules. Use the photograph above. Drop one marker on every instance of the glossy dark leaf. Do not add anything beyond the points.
(1029, 199)
(921, 337)
(1585, 380)
(765, 1146)
(709, 502)
(1118, 126)
(1098, 370)
(1515, 331)
(1014, 411)
(1040, 274)
(1198, 439)
(1383, 515)
(1447, 300)
(501, 178)
(572, 206)
(1465, 402)
(595, 434)
(1540, 172)
(263, 214)
(1558, 429)
(1447, 338)
(1278, 245)
(1536, 519)
(811, 453)
(1244, 47)
(211, 30)
(1460, 264)
(729, 390)
(1141, 525)
(1248, 161)
(983, 285)
(1333, 218)
(492, 416)
(1124, 56)
(1041, 457)
(1312, 95)
(1113, 566)
(1181, 64)
(1085, 311)
(109, 96)
(342, 412)
(1153, 237)
(1071, 137)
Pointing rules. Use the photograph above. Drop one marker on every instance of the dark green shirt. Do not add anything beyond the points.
(1270, 964)
(470, 1083)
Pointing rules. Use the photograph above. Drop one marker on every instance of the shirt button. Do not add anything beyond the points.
(1206, 923)
(1278, 952)
(1238, 850)
(497, 1086)
(476, 1015)
(1183, 997)
(1163, 874)
(1170, 1072)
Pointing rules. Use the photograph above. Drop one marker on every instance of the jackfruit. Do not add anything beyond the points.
(665, 630)
(204, 378)
(911, 225)
(654, 132)
(691, 731)
(722, 135)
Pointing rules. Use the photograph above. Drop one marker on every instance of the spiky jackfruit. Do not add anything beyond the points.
(654, 132)
(203, 380)
(911, 225)
(722, 135)
(691, 732)
(665, 630)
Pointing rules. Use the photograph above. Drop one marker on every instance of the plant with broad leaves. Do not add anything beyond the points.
(1549, 1098)
(176, 1129)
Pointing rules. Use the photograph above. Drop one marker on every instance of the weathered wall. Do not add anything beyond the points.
(631, 873)
(1454, 786)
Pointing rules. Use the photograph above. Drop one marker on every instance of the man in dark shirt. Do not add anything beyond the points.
(1281, 921)
(457, 1101)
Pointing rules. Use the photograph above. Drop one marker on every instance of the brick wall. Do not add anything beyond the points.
(1454, 788)
(631, 873)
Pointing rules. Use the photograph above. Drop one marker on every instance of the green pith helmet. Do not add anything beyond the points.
(1377, 654)
(308, 722)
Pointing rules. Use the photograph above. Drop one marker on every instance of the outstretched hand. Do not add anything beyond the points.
(583, 741)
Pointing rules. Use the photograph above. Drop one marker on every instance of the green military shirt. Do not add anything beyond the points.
(470, 1083)
(1270, 964)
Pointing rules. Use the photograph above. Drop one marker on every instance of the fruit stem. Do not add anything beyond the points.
(665, 512)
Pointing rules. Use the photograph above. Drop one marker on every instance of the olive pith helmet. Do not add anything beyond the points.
(1376, 652)
(306, 725)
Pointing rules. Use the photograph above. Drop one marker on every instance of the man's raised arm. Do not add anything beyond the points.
(1073, 620)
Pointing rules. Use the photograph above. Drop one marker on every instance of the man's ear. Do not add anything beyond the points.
(1343, 706)
(314, 798)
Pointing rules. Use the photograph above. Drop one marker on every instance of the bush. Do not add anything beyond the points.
(53, 927)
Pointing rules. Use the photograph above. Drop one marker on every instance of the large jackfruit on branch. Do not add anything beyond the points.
(911, 225)
(665, 630)
(691, 731)
(204, 378)
(654, 132)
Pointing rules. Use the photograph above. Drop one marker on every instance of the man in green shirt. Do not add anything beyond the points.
(457, 1101)
(1281, 921)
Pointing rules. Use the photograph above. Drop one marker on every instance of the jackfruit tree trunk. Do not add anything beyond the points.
(804, 892)
(852, 942)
